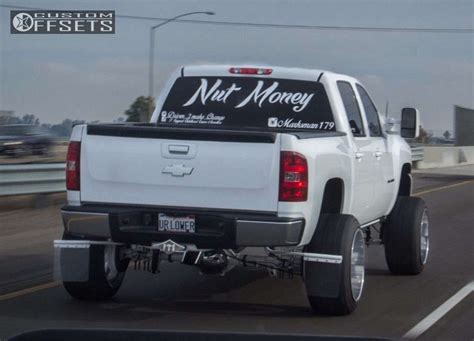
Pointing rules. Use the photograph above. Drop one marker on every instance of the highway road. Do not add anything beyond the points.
(249, 301)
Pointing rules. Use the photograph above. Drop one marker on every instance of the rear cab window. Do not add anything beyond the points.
(250, 103)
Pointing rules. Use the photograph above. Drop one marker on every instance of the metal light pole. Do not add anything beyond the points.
(152, 52)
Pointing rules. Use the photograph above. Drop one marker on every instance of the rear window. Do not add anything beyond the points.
(250, 103)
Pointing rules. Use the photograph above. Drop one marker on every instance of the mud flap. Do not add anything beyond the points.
(71, 260)
(323, 279)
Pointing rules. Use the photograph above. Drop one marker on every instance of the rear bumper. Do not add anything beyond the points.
(213, 229)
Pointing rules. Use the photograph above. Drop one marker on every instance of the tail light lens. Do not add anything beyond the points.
(293, 177)
(73, 166)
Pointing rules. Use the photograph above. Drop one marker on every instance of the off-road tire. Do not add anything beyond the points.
(329, 285)
(402, 236)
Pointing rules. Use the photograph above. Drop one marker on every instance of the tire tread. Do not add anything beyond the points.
(401, 236)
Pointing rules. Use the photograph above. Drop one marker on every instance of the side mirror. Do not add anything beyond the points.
(409, 126)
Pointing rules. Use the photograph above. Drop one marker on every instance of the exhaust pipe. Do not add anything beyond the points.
(211, 262)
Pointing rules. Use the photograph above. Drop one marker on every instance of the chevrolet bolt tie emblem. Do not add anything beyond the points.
(177, 170)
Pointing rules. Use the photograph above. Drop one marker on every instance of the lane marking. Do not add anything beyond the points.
(443, 187)
(28, 290)
(439, 312)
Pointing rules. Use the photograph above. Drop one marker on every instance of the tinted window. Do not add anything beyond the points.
(247, 102)
(352, 108)
(370, 112)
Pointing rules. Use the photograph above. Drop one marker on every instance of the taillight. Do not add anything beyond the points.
(293, 177)
(73, 166)
(250, 71)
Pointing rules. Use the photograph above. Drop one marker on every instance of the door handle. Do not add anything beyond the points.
(378, 154)
(359, 155)
(178, 149)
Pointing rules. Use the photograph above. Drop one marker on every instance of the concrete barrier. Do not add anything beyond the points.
(444, 156)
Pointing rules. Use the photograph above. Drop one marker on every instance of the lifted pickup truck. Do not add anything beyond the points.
(287, 169)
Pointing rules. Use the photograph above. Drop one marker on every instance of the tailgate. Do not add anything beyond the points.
(180, 167)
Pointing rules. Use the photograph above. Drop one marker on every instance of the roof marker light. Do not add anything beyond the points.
(250, 71)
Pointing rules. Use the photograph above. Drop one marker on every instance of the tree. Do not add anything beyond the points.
(30, 119)
(26, 119)
(140, 110)
(447, 135)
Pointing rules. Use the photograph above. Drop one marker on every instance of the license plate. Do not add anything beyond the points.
(169, 223)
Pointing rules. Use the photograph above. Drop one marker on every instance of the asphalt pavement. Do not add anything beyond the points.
(179, 298)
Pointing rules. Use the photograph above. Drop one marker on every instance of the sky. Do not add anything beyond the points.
(97, 77)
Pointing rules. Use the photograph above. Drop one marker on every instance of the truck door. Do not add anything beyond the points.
(382, 156)
(362, 198)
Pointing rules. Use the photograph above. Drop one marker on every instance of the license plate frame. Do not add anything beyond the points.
(183, 223)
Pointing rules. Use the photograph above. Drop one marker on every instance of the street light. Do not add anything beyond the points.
(152, 51)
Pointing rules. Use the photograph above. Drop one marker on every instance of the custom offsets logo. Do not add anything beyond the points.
(85, 22)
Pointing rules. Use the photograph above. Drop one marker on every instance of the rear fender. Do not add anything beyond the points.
(327, 158)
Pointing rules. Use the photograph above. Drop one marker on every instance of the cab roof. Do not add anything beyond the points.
(276, 71)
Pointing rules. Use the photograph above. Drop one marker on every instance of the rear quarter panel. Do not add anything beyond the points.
(328, 158)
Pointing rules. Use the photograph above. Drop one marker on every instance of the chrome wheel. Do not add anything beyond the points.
(424, 237)
(357, 264)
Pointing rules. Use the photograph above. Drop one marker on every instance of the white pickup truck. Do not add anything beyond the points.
(287, 169)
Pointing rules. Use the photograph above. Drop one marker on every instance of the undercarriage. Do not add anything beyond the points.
(332, 265)
(281, 262)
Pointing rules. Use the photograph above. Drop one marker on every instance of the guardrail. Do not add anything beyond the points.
(32, 178)
(417, 153)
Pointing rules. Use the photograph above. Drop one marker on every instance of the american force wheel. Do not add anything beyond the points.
(406, 236)
(335, 289)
